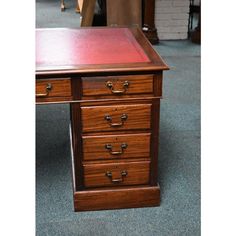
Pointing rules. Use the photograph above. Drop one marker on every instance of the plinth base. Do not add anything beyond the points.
(105, 199)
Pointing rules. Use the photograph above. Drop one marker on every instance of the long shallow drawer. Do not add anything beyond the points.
(117, 85)
(53, 89)
(116, 174)
(105, 147)
(111, 118)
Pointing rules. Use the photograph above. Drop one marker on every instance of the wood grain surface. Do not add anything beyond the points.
(60, 90)
(124, 13)
(137, 84)
(93, 118)
(117, 198)
(94, 147)
(137, 173)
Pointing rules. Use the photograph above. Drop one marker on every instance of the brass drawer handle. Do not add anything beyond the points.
(48, 89)
(123, 173)
(122, 146)
(109, 85)
(123, 118)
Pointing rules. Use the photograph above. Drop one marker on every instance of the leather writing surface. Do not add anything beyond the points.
(70, 47)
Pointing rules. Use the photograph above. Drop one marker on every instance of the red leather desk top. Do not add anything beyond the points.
(90, 46)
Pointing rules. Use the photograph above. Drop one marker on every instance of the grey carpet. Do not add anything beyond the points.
(179, 155)
(48, 14)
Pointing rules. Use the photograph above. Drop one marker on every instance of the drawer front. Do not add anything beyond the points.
(117, 85)
(111, 118)
(116, 146)
(116, 174)
(54, 88)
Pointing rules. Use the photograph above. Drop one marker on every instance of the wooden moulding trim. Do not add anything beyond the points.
(72, 158)
(137, 67)
(95, 100)
(117, 198)
(95, 74)
(53, 100)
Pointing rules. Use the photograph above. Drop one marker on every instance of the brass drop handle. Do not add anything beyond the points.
(123, 173)
(109, 85)
(48, 89)
(122, 146)
(123, 118)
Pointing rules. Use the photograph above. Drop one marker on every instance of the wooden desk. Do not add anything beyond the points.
(112, 79)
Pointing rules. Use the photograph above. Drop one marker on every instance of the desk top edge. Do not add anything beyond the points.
(154, 63)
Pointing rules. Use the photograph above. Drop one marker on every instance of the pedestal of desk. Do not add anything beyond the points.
(93, 189)
(116, 198)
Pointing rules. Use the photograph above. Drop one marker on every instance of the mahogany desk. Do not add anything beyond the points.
(112, 79)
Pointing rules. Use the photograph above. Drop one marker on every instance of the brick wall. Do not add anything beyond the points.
(171, 18)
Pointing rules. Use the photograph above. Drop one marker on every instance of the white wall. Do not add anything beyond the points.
(171, 18)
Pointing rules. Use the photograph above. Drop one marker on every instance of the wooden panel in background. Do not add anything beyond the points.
(87, 12)
(79, 6)
(124, 13)
(149, 27)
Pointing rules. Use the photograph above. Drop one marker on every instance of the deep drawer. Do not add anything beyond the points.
(111, 118)
(116, 174)
(105, 147)
(117, 85)
(53, 89)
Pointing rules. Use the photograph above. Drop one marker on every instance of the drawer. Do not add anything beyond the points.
(53, 89)
(117, 85)
(116, 117)
(116, 174)
(116, 146)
